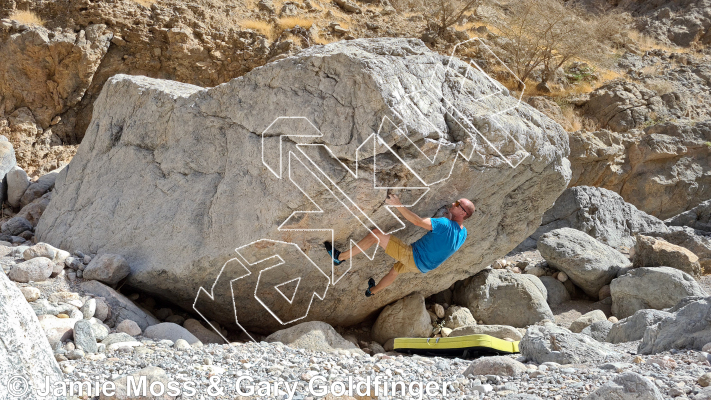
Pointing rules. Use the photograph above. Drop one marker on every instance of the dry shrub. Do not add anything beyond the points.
(548, 33)
(290, 22)
(572, 117)
(27, 18)
(262, 27)
(439, 14)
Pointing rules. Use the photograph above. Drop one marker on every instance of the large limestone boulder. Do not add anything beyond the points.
(651, 252)
(552, 343)
(589, 263)
(656, 288)
(314, 335)
(500, 297)
(689, 327)
(406, 317)
(632, 328)
(25, 351)
(601, 213)
(183, 166)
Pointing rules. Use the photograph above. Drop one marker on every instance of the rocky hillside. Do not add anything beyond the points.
(170, 171)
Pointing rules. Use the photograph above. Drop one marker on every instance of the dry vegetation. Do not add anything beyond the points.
(27, 18)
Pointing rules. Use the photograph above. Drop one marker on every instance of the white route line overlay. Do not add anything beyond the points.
(458, 118)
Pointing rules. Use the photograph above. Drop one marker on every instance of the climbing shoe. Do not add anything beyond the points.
(333, 253)
(371, 284)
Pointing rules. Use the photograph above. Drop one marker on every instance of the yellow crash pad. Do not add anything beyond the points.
(459, 346)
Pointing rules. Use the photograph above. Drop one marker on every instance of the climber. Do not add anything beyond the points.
(446, 235)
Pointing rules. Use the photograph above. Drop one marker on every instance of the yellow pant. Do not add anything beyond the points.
(403, 254)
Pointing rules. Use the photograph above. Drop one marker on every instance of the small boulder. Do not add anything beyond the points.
(586, 319)
(313, 335)
(39, 250)
(30, 293)
(598, 330)
(632, 328)
(589, 263)
(406, 317)
(129, 327)
(627, 386)
(457, 316)
(497, 365)
(37, 270)
(205, 335)
(120, 337)
(550, 343)
(16, 225)
(656, 288)
(107, 268)
(500, 297)
(88, 309)
(17, 183)
(84, 336)
(651, 252)
(557, 293)
(102, 311)
(170, 331)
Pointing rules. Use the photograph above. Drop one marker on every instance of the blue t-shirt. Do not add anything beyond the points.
(437, 245)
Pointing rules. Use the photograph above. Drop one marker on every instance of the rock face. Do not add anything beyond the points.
(600, 213)
(621, 105)
(589, 263)
(655, 288)
(651, 252)
(406, 317)
(688, 328)
(663, 170)
(24, 351)
(633, 327)
(500, 297)
(314, 335)
(552, 343)
(199, 153)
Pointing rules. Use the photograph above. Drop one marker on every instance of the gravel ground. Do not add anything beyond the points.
(222, 365)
